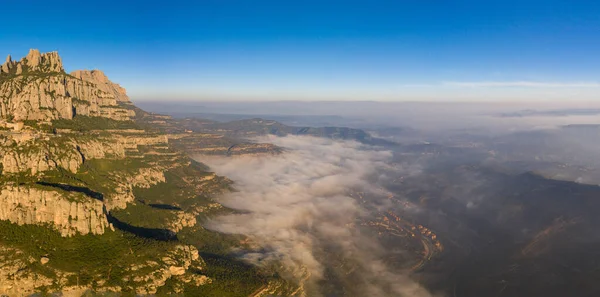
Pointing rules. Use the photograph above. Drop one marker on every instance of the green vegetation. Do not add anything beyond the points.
(110, 254)
(52, 94)
(142, 215)
(96, 174)
(210, 242)
(107, 257)
(180, 188)
(89, 256)
(39, 126)
(79, 101)
(174, 190)
(27, 76)
(20, 178)
(85, 123)
(230, 278)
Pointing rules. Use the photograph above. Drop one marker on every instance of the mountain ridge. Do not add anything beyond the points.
(249, 128)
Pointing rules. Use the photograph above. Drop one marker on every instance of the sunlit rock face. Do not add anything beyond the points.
(37, 88)
(69, 214)
(101, 81)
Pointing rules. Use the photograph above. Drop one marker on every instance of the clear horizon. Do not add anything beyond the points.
(465, 51)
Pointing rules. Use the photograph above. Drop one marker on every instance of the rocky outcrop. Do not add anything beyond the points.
(69, 213)
(5, 68)
(182, 220)
(34, 158)
(16, 281)
(144, 178)
(39, 153)
(147, 177)
(214, 144)
(101, 148)
(19, 278)
(34, 61)
(98, 78)
(37, 88)
(132, 142)
(39, 97)
(177, 264)
(34, 152)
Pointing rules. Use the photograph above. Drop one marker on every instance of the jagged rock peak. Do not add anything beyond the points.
(37, 88)
(98, 78)
(7, 66)
(34, 61)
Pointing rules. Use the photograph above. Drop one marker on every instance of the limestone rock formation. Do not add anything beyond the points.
(35, 153)
(5, 68)
(34, 61)
(181, 263)
(68, 213)
(98, 78)
(183, 219)
(37, 88)
(177, 264)
(14, 280)
(144, 178)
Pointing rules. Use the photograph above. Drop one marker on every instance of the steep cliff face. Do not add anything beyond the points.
(37, 88)
(32, 153)
(68, 212)
(98, 78)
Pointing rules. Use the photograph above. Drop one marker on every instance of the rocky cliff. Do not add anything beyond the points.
(29, 154)
(68, 212)
(98, 78)
(37, 88)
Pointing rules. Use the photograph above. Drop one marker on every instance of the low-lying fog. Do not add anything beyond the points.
(297, 207)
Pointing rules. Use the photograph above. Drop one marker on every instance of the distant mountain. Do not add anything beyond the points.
(551, 113)
(257, 127)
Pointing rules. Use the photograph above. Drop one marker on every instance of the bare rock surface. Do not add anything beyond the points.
(37, 88)
(101, 81)
(68, 213)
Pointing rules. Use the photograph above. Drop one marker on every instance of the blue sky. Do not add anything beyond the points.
(321, 50)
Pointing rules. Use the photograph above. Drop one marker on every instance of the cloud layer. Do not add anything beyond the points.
(298, 208)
